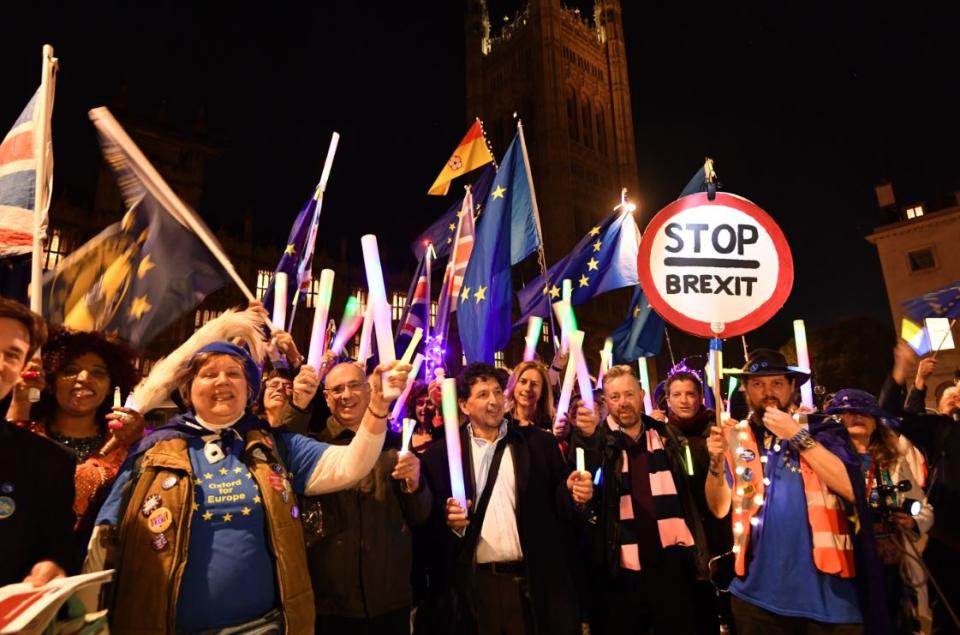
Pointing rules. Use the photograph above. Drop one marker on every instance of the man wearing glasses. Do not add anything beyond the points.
(359, 549)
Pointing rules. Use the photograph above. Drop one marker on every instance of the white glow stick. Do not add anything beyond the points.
(581, 461)
(348, 326)
(534, 328)
(645, 384)
(803, 361)
(566, 389)
(567, 293)
(412, 346)
(451, 430)
(731, 388)
(320, 311)
(331, 151)
(400, 404)
(562, 310)
(606, 357)
(380, 310)
(280, 300)
(116, 397)
(366, 335)
(583, 375)
(407, 434)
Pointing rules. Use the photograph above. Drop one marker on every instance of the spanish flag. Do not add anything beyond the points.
(469, 155)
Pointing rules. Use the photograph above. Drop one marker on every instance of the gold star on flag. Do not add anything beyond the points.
(139, 306)
(223, 471)
(291, 250)
(597, 245)
(248, 474)
(592, 265)
(198, 482)
(554, 291)
(245, 511)
(208, 476)
(256, 499)
(584, 281)
(196, 507)
(227, 518)
(481, 294)
(636, 312)
(460, 214)
(237, 470)
(144, 266)
(449, 240)
(452, 226)
(465, 294)
(595, 231)
(208, 515)
(498, 193)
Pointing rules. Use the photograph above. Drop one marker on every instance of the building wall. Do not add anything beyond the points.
(938, 232)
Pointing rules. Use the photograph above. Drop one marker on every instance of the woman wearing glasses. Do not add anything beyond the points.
(77, 379)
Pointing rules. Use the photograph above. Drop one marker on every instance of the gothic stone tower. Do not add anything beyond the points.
(565, 75)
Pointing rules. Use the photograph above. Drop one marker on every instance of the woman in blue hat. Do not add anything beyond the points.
(207, 533)
(900, 514)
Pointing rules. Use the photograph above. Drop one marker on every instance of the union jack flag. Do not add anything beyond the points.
(415, 310)
(18, 182)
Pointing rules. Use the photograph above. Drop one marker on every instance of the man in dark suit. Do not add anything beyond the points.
(36, 474)
(506, 557)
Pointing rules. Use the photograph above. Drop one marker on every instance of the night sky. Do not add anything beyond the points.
(803, 112)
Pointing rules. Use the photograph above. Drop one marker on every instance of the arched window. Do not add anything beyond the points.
(587, 125)
(573, 120)
(601, 132)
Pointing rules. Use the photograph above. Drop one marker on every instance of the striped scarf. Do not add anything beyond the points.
(673, 528)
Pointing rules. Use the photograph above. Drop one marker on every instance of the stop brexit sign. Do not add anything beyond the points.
(715, 268)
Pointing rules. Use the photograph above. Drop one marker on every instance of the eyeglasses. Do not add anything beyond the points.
(279, 384)
(353, 386)
(70, 373)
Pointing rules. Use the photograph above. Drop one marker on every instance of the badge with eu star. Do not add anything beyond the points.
(715, 266)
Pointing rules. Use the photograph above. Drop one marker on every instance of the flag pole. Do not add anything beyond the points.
(44, 179)
(541, 256)
(103, 118)
(311, 242)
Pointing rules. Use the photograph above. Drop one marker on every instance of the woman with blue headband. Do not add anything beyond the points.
(207, 534)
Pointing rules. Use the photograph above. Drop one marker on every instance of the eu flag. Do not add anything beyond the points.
(941, 303)
(641, 334)
(506, 234)
(297, 258)
(605, 259)
(443, 232)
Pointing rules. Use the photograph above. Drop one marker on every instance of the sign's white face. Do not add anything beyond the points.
(714, 264)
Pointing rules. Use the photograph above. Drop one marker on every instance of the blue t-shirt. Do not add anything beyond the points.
(781, 576)
(230, 576)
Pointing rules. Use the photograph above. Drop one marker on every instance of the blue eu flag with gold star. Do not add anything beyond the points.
(297, 258)
(641, 334)
(443, 231)
(506, 234)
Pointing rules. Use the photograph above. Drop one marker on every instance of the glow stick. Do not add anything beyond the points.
(412, 346)
(645, 383)
(320, 310)
(731, 388)
(534, 327)
(567, 294)
(366, 336)
(400, 403)
(116, 397)
(451, 430)
(562, 310)
(348, 325)
(331, 151)
(581, 461)
(566, 389)
(380, 309)
(606, 358)
(407, 434)
(583, 375)
(280, 300)
(803, 361)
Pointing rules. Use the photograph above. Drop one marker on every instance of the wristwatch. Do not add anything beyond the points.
(803, 440)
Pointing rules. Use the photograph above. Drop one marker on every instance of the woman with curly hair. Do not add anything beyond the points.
(79, 373)
(900, 518)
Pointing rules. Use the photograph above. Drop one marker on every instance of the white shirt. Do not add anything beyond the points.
(499, 539)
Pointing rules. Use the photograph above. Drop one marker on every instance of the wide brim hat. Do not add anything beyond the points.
(766, 362)
(856, 401)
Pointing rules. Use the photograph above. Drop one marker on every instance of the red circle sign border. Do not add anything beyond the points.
(745, 324)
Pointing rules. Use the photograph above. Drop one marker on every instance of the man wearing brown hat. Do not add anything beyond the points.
(793, 486)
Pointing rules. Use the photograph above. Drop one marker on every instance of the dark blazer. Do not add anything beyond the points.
(545, 517)
(37, 475)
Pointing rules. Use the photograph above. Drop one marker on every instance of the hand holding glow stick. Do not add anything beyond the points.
(534, 327)
(380, 308)
(280, 301)
(566, 389)
(321, 310)
(407, 434)
(645, 384)
(451, 429)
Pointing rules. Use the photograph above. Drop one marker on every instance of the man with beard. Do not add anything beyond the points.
(648, 545)
(803, 563)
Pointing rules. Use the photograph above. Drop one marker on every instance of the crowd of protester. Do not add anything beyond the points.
(280, 498)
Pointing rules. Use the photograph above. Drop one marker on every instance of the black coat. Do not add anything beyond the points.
(37, 475)
(545, 516)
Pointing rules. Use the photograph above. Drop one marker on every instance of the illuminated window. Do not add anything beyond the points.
(433, 314)
(546, 333)
(263, 282)
(361, 300)
(915, 212)
(498, 359)
(56, 250)
(145, 365)
(312, 293)
(397, 300)
(202, 316)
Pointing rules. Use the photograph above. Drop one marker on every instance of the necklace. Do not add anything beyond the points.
(83, 447)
